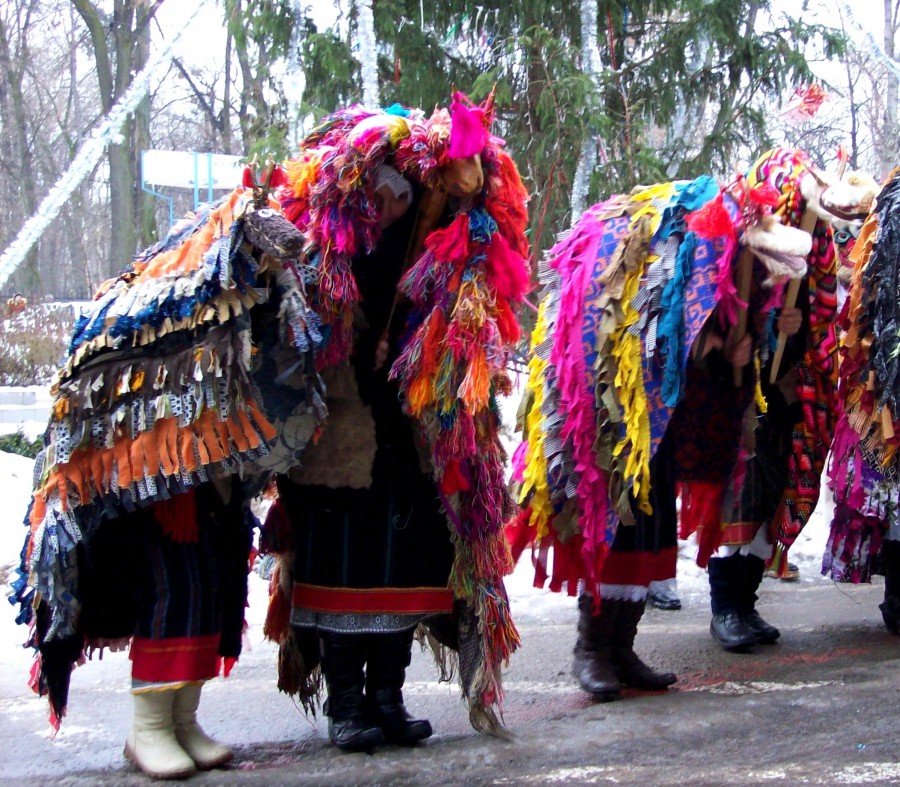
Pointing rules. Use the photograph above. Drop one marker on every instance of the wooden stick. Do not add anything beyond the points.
(807, 224)
(744, 275)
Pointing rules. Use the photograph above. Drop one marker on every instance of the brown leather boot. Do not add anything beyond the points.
(592, 665)
(630, 670)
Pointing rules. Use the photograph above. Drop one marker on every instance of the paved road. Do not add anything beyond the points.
(820, 707)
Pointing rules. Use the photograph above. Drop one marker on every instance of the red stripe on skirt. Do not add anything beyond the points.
(175, 659)
(371, 600)
(639, 568)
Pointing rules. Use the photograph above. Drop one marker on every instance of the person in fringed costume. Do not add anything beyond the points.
(865, 530)
(630, 392)
(139, 529)
(417, 260)
(752, 520)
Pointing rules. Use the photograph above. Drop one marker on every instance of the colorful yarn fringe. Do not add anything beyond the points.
(864, 465)
(464, 289)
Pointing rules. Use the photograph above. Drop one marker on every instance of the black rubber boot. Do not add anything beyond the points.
(630, 670)
(764, 633)
(890, 607)
(592, 663)
(343, 658)
(726, 579)
(389, 656)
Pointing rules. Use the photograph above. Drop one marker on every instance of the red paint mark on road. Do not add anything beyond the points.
(759, 666)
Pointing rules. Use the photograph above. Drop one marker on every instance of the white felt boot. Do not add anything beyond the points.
(151, 744)
(204, 751)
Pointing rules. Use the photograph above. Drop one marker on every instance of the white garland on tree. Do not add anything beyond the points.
(876, 48)
(90, 152)
(590, 64)
(368, 53)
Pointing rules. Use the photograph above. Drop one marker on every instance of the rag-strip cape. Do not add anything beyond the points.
(156, 397)
(463, 287)
(625, 297)
(864, 462)
(815, 371)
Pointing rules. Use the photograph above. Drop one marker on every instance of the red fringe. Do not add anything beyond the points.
(518, 533)
(507, 271)
(453, 480)
(701, 512)
(712, 220)
(451, 244)
(507, 324)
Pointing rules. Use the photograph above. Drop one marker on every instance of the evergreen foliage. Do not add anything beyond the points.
(686, 88)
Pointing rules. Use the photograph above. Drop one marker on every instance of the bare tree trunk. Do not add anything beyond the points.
(227, 132)
(590, 64)
(368, 53)
(130, 22)
(28, 277)
(144, 207)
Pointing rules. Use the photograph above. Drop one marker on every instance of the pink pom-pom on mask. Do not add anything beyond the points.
(468, 134)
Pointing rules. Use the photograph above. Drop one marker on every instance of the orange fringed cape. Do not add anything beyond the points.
(155, 397)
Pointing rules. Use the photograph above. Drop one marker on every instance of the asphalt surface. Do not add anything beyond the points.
(818, 707)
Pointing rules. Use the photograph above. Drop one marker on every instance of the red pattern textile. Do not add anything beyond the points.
(372, 600)
(175, 659)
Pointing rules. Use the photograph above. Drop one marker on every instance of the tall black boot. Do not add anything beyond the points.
(343, 658)
(726, 580)
(630, 670)
(764, 633)
(592, 663)
(389, 656)
(890, 607)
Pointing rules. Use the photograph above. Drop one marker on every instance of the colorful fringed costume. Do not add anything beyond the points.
(778, 482)
(138, 529)
(616, 410)
(865, 531)
(361, 523)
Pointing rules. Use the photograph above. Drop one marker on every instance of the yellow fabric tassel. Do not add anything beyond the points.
(758, 396)
(535, 472)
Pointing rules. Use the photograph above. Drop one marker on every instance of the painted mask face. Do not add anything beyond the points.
(463, 177)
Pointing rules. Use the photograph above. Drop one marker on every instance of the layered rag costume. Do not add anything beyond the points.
(865, 530)
(418, 326)
(139, 532)
(621, 406)
(775, 487)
